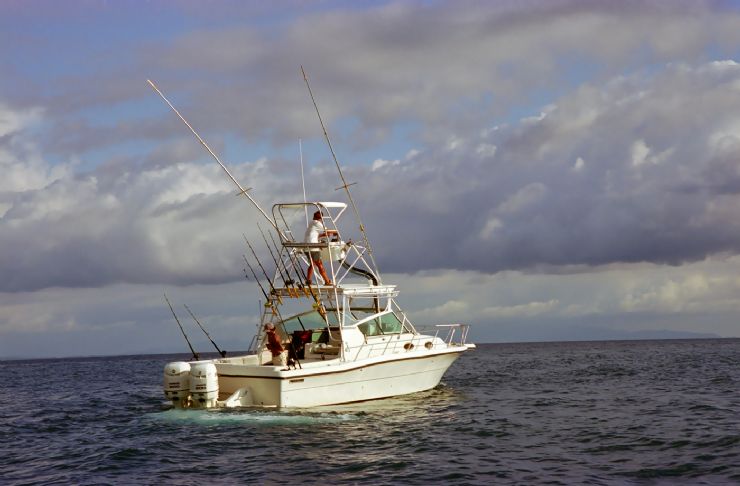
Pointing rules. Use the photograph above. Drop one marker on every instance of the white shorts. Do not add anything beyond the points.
(281, 359)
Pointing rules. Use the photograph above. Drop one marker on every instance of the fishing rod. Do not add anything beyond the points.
(254, 274)
(297, 268)
(308, 290)
(215, 157)
(287, 281)
(319, 304)
(264, 272)
(297, 285)
(345, 185)
(195, 355)
(222, 353)
(268, 302)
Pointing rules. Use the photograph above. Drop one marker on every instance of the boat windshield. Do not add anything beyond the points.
(387, 323)
(310, 320)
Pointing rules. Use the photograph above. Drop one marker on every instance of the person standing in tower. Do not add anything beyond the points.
(315, 231)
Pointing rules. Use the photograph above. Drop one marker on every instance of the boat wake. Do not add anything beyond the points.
(247, 416)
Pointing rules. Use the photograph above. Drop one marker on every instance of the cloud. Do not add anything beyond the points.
(12, 121)
(148, 223)
(21, 163)
(380, 163)
(579, 164)
(657, 188)
(529, 309)
(512, 305)
(245, 80)
(509, 305)
(518, 208)
(442, 313)
(120, 319)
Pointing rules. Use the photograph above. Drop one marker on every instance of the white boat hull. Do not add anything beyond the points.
(332, 382)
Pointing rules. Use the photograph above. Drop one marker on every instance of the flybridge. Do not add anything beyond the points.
(343, 257)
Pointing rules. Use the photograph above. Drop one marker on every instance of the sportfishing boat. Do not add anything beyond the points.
(332, 336)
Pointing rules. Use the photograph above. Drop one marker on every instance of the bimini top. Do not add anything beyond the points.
(326, 204)
(330, 208)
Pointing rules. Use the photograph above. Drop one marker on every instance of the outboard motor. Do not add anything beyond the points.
(203, 385)
(177, 383)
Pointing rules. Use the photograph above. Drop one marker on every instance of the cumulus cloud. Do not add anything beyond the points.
(662, 186)
(380, 163)
(701, 295)
(245, 81)
(657, 187)
(21, 163)
(176, 223)
(529, 309)
(11, 121)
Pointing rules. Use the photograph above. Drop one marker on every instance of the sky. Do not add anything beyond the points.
(541, 170)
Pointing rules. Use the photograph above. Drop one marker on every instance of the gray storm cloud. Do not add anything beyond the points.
(640, 168)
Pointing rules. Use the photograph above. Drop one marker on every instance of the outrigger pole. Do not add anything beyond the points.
(241, 189)
(195, 355)
(222, 353)
(345, 185)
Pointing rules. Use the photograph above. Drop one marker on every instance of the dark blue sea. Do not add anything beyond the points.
(629, 412)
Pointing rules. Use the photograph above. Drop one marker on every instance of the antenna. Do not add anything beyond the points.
(344, 185)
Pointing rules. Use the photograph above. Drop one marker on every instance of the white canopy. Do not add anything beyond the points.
(326, 204)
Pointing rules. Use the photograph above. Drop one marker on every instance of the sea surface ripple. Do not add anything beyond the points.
(627, 412)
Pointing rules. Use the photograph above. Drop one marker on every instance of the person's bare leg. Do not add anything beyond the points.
(309, 274)
(322, 272)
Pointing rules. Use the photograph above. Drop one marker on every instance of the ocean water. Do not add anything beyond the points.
(638, 412)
